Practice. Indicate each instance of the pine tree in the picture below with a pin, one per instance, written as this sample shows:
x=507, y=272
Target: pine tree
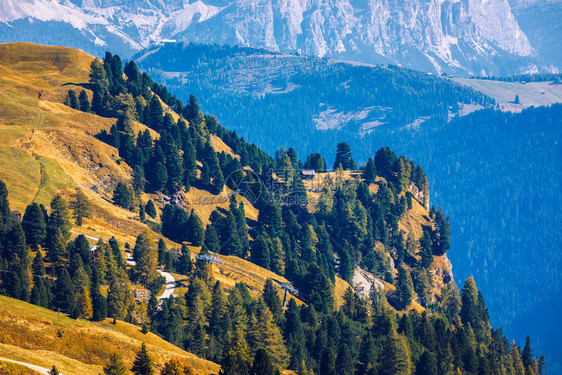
x=97, y=101
x=185, y=265
x=328, y=362
x=262, y=364
x=155, y=118
x=142, y=213
x=404, y=286
x=160, y=178
x=260, y=251
x=146, y=257
x=237, y=358
x=39, y=293
x=139, y=181
x=150, y=209
x=59, y=218
x=211, y=240
x=4, y=202
x=267, y=335
x=99, y=305
x=142, y=364
x=38, y=266
x=229, y=240
x=34, y=226
x=98, y=75
x=80, y=207
x=240, y=217
x=316, y=162
x=344, y=158
x=72, y=100
x=115, y=366
x=277, y=256
x=396, y=356
x=271, y=299
x=119, y=296
x=196, y=231
x=122, y=195
x=469, y=300
x=56, y=252
x=427, y=365
x=83, y=303
x=404, y=172
x=370, y=173
x=84, y=102
x=64, y=292
x=527, y=354
x=162, y=251
x=346, y=264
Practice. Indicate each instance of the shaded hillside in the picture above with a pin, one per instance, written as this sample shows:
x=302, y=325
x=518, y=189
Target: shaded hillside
x=308, y=103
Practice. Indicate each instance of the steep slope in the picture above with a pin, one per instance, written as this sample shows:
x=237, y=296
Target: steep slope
x=371, y=227
x=540, y=21
x=331, y=101
x=42, y=337
x=47, y=147
x=480, y=165
x=438, y=36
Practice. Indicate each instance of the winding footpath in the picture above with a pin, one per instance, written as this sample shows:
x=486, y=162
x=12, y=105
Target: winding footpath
x=41, y=370
x=170, y=281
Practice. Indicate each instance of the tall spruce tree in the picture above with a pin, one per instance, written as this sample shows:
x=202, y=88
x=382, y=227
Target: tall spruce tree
x=115, y=366
x=64, y=299
x=59, y=218
x=344, y=159
x=146, y=257
x=38, y=265
x=370, y=173
x=142, y=365
x=34, y=226
x=263, y=364
x=84, y=102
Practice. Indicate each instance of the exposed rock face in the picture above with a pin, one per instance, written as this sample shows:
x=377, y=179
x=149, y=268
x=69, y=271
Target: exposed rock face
x=540, y=20
x=465, y=36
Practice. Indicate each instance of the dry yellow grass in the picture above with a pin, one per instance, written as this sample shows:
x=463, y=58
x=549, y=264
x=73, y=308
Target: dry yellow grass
x=339, y=289
x=31, y=334
x=414, y=220
x=47, y=147
x=7, y=368
x=219, y=146
x=204, y=203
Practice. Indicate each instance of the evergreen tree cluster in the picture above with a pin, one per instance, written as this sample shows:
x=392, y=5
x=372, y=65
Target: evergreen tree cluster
x=351, y=226
x=170, y=162
x=244, y=333
x=41, y=264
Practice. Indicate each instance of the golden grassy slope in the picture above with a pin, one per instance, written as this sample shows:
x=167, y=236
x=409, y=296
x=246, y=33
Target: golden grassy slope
x=47, y=147
x=7, y=368
x=31, y=334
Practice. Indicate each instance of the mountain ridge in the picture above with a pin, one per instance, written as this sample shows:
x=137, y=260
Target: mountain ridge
x=461, y=36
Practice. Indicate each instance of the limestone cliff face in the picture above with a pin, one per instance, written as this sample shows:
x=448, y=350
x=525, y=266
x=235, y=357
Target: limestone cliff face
x=464, y=36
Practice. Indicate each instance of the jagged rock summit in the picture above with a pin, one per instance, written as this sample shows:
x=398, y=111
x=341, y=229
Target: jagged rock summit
x=458, y=36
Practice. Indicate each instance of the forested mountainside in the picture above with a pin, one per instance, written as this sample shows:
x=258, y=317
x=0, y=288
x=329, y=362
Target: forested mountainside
x=167, y=175
x=483, y=172
x=328, y=101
